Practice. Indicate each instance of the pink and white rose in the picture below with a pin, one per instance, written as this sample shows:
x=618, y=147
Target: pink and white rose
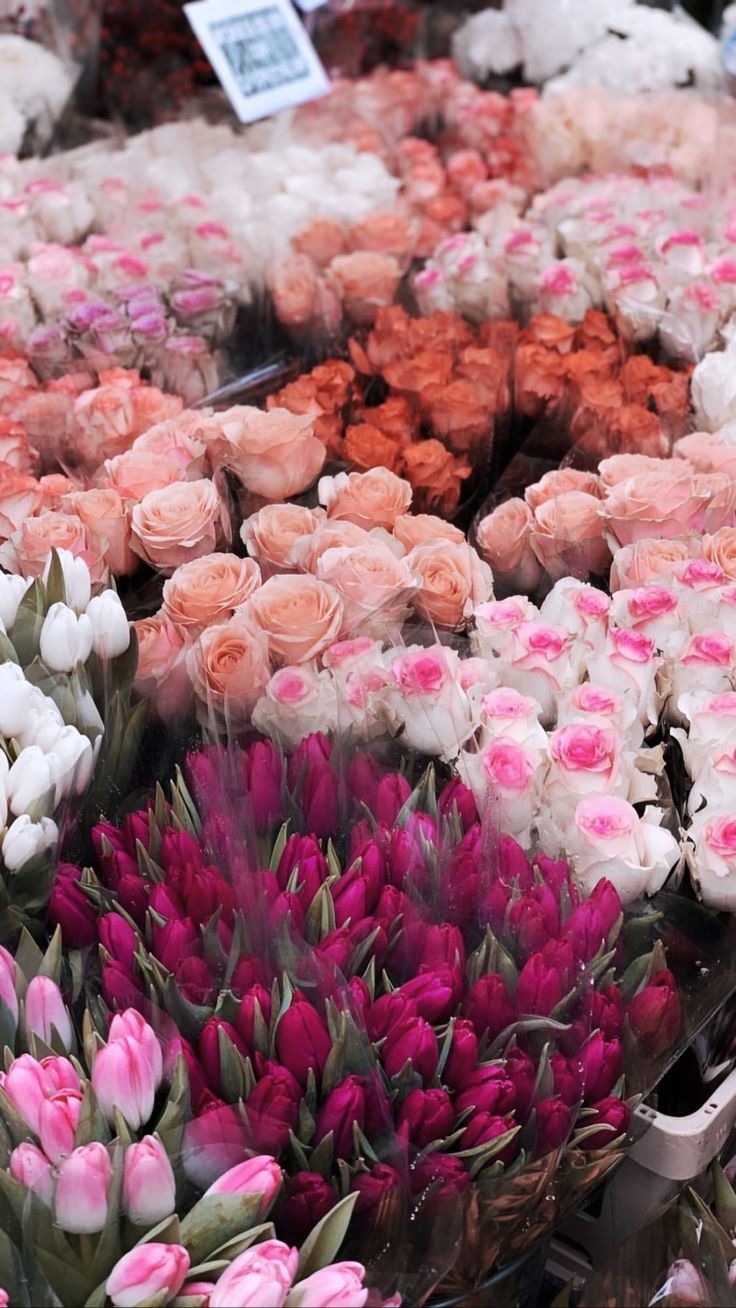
x=297, y=701
x=608, y=839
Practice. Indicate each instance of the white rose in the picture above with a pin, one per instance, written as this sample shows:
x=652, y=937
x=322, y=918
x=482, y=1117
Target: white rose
x=297, y=702
x=505, y=712
x=496, y=621
x=713, y=858
x=505, y=779
x=427, y=703
x=583, y=610
x=607, y=838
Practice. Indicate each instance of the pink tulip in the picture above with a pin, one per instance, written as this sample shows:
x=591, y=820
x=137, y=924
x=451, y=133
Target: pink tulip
x=30, y=1166
x=338, y=1286
x=149, y=1188
x=81, y=1190
x=27, y=1085
x=131, y=1024
x=57, y=1123
x=147, y=1271
x=61, y=1073
x=259, y=1175
x=45, y=1011
x=4, y=1299
x=123, y=1078
x=259, y=1278
x=7, y=983
x=199, y=1290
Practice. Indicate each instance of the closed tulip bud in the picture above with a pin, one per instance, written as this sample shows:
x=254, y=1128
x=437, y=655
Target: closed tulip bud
x=77, y=580
x=556, y=874
x=213, y=1142
x=352, y=897
x=406, y=861
x=456, y=798
x=435, y=993
x=123, y=1078
x=542, y=984
x=176, y=940
x=340, y=1283
x=463, y=1056
x=554, y=1120
x=441, y=944
x=302, y=855
x=66, y=639
x=12, y=590
x=30, y=783
x=256, y=1002
x=260, y=1175
x=523, y=1072
x=60, y=1073
x=374, y=1187
x=336, y=948
x=319, y=800
x=483, y=1128
x=194, y=980
x=392, y=792
x=45, y=1012
x=27, y=1085
x=411, y=1041
x=179, y=1047
x=302, y=1040
x=133, y=896
x=119, y=988
x=425, y=1116
x=602, y=1064
x=72, y=763
x=344, y=1106
x=614, y=1116
x=513, y=866
x=25, y=840
x=592, y=922
x=80, y=1204
x=132, y=1025
x=357, y=998
x=149, y=1188
x=534, y=919
x=363, y=774
x=272, y=1109
x=58, y=1119
x=30, y=1166
x=391, y=904
x=488, y=1006
x=208, y=1048
x=262, y=1275
x=72, y=910
x=263, y=777
x=487, y=1089
x=8, y=996
x=210, y=894
x=306, y=1199
x=119, y=939
x=567, y=1075
x=313, y=750
x=655, y=1013
x=110, y=626
x=147, y=1272
x=447, y=1177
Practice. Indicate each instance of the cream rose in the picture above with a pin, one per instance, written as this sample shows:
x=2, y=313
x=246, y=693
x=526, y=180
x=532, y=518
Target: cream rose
x=368, y=499
x=496, y=621
x=567, y=536
x=505, y=712
x=300, y=617
x=426, y=702
x=229, y=668
x=375, y=586
x=208, y=590
x=271, y=534
x=628, y=664
x=653, y=610
x=453, y=581
x=582, y=609
x=712, y=838
x=275, y=454
x=179, y=523
x=503, y=538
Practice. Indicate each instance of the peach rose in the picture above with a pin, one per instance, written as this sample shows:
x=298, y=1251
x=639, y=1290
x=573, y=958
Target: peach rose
x=161, y=676
x=208, y=590
x=384, y=232
x=14, y=447
x=20, y=498
x=721, y=549
x=275, y=454
x=707, y=452
x=301, y=298
x=178, y=523
x=365, y=446
x=621, y=467
x=229, y=666
x=365, y=281
x=151, y=407
x=53, y=487
x=412, y=529
x=436, y=475
x=558, y=482
x=375, y=586
x=647, y=560
x=665, y=504
x=369, y=499
x=503, y=538
x=567, y=536
x=300, y=617
x=27, y=550
x=308, y=550
x=271, y=534
x=103, y=425
x=107, y=520
x=453, y=580
x=137, y=472
x=178, y=441
x=321, y=240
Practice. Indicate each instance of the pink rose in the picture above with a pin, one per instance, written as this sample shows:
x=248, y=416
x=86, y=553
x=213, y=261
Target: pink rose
x=107, y=520
x=229, y=666
x=712, y=867
x=208, y=590
x=301, y=298
x=300, y=617
x=178, y=441
x=179, y=523
x=582, y=609
x=28, y=550
x=667, y=505
x=541, y=662
x=609, y=840
x=138, y=472
x=161, y=676
x=708, y=452
x=453, y=581
x=504, y=712
x=647, y=560
x=624, y=467
x=596, y=703
x=703, y=662
x=652, y=610
x=721, y=549
x=425, y=698
x=711, y=721
x=270, y=536
x=567, y=536
x=505, y=777
x=297, y=702
x=21, y=497
x=368, y=499
x=327, y=535
x=375, y=586
x=584, y=759
x=560, y=482
x=412, y=529
x=503, y=538
x=275, y=454
x=496, y=621
x=629, y=665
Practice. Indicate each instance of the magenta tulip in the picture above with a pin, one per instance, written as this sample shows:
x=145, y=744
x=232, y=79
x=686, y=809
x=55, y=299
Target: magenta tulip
x=80, y=1203
x=590, y=925
x=487, y=1089
x=435, y=992
x=255, y=1002
x=387, y=1012
x=447, y=1176
x=655, y=1014
x=374, y=1187
x=412, y=1041
x=263, y=780
x=195, y=981
x=30, y=1166
x=484, y=1128
x=544, y=980
x=208, y=1048
x=568, y=1078
x=45, y=1012
x=392, y=792
x=343, y=1107
x=533, y=919
x=425, y=1116
x=302, y=1040
x=119, y=989
x=523, y=1073
x=70, y=909
x=57, y=1123
x=488, y=1006
x=260, y=1175
x=463, y=1055
x=213, y=1141
x=119, y=939
x=553, y=1125
x=272, y=1109
x=613, y=1115
x=456, y=799
x=149, y=1188
x=307, y=1198
x=149, y=1270
x=602, y=1063
x=177, y=1048
x=261, y=1276
x=512, y=864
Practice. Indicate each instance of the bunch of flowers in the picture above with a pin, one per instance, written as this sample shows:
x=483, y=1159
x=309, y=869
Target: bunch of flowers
x=406, y=1010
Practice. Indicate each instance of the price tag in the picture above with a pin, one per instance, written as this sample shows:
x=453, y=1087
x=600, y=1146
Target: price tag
x=260, y=52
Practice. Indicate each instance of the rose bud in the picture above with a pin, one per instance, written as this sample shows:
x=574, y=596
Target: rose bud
x=602, y=1064
x=72, y=910
x=543, y=982
x=488, y=1006
x=306, y=1199
x=484, y=1128
x=374, y=1187
x=177, y=1048
x=456, y=798
x=523, y=1073
x=80, y=1204
x=273, y=1108
x=425, y=1115
x=149, y=1271
x=591, y=923
x=463, y=1056
x=58, y=1119
x=262, y=1275
x=487, y=1089
x=413, y=1041
x=263, y=771
x=387, y=1012
x=213, y=1141
x=208, y=1049
x=610, y=1112
x=30, y=1166
x=302, y=1040
x=260, y=1175
x=392, y=792
x=149, y=1188
x=447, y=1175
x=435, y=993
x=568, y=1078
x=45, y=1012
x=654, y=1014
x=345, y=1105
x=554, y=1120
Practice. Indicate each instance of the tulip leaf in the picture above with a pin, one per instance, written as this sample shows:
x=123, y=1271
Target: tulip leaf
x=55, y=585
x=725, y=1198
x=302, y=1161
x=369, y=976
x=306, y=1124
x=490, y=1148
x=156, y=1301
x=98, y=1297
x=233, y=1078
x=334, y=1069
x=167, y=1231
x=17, y=1127
x=363, y=1147
x=320, y=919
x=176, y=1114
x=51, y=963
x=92, y=1124
x=445, y=1050
x=325, y=1239
x=28, y=957
x=322, y=1156
x=189, y=1018
x=233, y=1248
x=7, y=650
x=147, y=866
x=217, y=1218
x=279, y=845
x=28, y=623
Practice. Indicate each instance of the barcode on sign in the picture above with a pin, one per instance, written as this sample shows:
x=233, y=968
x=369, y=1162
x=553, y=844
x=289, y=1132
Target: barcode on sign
x=260, y=50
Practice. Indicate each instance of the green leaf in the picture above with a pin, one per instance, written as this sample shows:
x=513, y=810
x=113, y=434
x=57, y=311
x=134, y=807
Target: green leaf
x=92, y=1124
x=8, y=653
x=324, y=1240
x=51, y=962
x=322, y=1156
x=233, y=1248
x=279, y=846
x=55, y=584
x=216, y=1219
x=725, y=1198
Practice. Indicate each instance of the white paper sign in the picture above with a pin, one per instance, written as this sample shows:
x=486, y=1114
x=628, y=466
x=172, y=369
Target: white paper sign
x=260, y=52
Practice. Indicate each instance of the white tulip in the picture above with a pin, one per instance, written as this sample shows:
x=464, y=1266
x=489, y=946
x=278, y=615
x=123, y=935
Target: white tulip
x=29, y=780
x=77, y=581
x=88, y=714
x=71, y=762
x=110, y=627
x=12, y=590
x=4, y=769
x=48, y=730
x=65, y=639
x=16, y=700
x=25, y=839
